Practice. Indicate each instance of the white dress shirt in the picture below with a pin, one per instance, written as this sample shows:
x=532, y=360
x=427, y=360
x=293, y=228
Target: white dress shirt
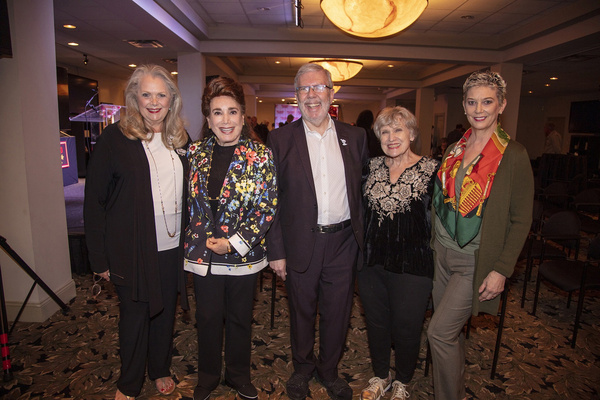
x=328, y=174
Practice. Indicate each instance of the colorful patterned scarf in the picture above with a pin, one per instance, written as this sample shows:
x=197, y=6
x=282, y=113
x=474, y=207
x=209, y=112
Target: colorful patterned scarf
x=475, y=189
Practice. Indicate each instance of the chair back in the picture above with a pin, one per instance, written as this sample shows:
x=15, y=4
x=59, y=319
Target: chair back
x=563, y=223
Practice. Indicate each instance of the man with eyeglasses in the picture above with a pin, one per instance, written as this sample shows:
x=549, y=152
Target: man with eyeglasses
x=316, y=237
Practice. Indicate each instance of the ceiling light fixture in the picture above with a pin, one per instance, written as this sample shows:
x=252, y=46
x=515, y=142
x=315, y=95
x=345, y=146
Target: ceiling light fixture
x=69, y=26
x=174, y=73
x=73, y=44
x=373, y=19
x=133, y=65
x=340, y=70
x=85, y=59
x=554, y=78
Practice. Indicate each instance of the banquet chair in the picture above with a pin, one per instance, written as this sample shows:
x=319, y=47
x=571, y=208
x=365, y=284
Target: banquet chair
x=561, y=228
x=571, y=276
x=555, y=197
x=587, y=206
x=501, y=314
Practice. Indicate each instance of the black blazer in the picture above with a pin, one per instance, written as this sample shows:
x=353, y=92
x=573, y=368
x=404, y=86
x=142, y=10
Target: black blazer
x=292, y=235
x=119, y=217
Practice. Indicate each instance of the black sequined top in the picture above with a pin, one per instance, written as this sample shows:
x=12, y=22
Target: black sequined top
x=397, y=217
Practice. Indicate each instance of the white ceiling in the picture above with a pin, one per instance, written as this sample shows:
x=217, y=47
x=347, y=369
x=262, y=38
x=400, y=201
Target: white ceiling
x=245, y=38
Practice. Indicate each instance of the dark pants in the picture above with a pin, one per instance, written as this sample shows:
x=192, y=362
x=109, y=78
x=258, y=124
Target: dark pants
x=142, y=338
x=231, y=299
x=395, y=306
x=327, y=285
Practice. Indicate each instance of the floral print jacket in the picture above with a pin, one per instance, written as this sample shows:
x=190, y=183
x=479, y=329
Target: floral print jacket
x=246, y=208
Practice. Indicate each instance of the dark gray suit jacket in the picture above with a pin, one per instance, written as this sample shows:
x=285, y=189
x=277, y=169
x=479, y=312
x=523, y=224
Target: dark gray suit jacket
x=292, y=235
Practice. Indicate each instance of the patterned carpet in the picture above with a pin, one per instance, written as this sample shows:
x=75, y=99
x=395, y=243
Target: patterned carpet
x=74, y=356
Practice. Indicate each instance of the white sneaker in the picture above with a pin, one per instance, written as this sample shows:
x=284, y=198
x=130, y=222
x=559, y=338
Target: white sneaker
x=399, y=391
x=377, y=387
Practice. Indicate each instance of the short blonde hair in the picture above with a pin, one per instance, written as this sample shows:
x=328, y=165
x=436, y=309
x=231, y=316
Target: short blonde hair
x=133, y=125
x=486, y=78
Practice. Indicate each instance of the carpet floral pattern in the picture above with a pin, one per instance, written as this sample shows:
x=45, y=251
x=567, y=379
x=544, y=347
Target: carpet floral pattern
x=74, y=355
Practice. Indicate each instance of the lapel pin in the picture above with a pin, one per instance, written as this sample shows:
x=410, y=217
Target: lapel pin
x=343, y=142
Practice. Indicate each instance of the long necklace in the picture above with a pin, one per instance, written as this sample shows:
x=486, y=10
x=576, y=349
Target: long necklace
x=160, y=191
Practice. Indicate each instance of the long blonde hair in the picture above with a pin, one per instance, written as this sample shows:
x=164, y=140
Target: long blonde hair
x=133, y=125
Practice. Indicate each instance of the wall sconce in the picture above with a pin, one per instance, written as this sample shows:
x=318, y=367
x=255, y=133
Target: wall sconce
x=85, y=59
x=373, y=18
x=340, y=70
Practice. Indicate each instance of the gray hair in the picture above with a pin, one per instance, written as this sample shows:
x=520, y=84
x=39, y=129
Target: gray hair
x=311, y=67
x=391, y=116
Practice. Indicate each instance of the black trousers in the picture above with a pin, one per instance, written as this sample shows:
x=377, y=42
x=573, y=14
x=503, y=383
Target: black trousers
x=327, y=286
x=142, y=338
x=231, y=299
x=395, y=306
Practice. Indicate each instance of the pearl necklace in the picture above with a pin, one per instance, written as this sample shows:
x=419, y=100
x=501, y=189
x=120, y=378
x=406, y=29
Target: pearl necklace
x=160, y=191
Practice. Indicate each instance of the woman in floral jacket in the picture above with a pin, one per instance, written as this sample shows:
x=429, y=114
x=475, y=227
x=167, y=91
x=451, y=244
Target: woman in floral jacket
x=232, y=201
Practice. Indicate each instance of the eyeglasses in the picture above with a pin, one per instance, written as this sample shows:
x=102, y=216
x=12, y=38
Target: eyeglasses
x=315, y=88
x=96, y=288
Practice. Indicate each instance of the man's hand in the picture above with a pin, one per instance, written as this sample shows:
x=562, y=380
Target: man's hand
x=279, y=266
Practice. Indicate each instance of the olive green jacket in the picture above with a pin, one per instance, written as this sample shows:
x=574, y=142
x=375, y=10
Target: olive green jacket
x=506, y=222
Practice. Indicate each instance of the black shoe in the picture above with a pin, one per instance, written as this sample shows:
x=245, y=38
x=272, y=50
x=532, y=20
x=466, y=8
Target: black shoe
x=201, y=393
x=338, y=389
x=297, y=386
x=247, y=391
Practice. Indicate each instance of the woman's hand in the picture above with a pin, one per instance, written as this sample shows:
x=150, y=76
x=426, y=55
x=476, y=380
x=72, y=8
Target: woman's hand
x=220, y=246
x=492, y=286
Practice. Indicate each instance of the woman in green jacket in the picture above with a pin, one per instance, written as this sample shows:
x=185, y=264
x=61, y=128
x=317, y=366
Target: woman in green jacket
x=482, y=202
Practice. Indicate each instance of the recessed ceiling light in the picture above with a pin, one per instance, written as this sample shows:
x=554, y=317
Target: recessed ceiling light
x=260, y=101
x=69, y=26
x=174, y=73
x=277, y=62
x=133, y=65
x=263, y=9
x=530, y=92
x=547, y=85
x=390, y=66
x=73, y=44
x=282, y=99
x=467, y=17
x=554, y=78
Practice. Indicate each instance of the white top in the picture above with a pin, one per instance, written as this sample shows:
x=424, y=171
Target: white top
x=328, y=174
x=168, y=185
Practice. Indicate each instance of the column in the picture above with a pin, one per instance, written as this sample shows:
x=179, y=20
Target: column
x=512, y=74
x=424, y=114
x=32, y=207
x=191, y=80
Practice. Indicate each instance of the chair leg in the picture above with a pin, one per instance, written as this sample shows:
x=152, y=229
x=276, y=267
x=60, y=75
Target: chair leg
x=528, y=268
x=273, y=290
x=504, y=297
x=537, y=292
x=260, y=281
x=468, y=330
x=427, y=360
x=580, y=301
